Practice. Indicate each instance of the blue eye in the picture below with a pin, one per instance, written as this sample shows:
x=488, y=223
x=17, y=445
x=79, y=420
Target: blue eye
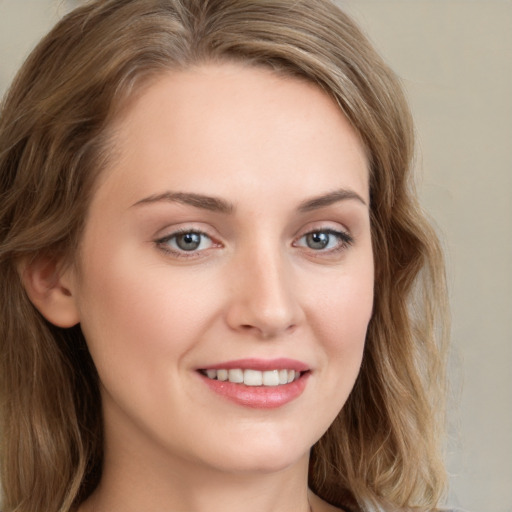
x=325, y=240
x=186, y=241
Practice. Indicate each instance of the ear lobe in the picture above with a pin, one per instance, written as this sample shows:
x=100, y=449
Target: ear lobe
x=49, y=288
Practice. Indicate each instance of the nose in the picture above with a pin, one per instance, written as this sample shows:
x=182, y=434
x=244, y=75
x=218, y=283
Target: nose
x=263, y=295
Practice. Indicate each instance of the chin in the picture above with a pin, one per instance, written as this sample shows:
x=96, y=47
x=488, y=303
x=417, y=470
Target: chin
x=262, y=455
x=261, y=465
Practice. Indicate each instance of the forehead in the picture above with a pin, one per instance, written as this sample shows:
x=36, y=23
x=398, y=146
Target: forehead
x=198, y=126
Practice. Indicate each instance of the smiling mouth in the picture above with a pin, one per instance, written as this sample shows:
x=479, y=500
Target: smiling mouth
x=249, y=377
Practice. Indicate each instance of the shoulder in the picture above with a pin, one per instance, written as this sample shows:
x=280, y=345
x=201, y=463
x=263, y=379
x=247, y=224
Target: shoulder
x=319, y=505
x=451, y=510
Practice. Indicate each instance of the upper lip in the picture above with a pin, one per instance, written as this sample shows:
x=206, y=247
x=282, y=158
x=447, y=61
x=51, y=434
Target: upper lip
x=282, y=363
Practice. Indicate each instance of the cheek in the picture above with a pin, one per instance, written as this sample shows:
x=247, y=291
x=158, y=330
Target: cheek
x=133, y=314
x=138, y=317
x=346, y=316
x=343, y=306
x=340, y=318
x=344, y=346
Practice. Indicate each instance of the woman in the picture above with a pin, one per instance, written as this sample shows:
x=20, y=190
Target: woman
x=219, y=291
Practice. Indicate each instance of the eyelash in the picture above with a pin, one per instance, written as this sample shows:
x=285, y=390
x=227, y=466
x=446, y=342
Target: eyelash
x=345, y=240
x=163, y=243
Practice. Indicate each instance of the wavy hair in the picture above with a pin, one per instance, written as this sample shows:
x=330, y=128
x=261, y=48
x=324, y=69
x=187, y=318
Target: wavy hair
x=383, y=448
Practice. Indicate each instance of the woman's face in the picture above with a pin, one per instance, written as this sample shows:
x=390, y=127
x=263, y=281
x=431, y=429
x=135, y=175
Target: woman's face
x=228, y=239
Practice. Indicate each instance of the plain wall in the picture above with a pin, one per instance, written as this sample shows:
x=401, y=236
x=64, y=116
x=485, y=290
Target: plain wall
x=455, y=58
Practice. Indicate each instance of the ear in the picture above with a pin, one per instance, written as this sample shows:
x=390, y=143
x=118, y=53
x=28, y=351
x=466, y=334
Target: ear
x=50, y=288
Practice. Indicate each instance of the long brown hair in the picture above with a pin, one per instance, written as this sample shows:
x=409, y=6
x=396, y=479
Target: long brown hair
x=382, y=450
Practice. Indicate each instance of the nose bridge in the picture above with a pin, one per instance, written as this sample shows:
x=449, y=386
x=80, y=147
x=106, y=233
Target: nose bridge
x=264, y=299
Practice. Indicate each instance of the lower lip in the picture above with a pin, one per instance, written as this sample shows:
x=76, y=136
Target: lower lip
x=258, y=397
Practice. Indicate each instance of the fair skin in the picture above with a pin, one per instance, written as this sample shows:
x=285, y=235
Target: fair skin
x=231, y=224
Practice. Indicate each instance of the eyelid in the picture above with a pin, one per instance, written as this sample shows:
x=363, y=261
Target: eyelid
x=162, y=242
x=344, y=236
x=346, y=239
x=323, y=225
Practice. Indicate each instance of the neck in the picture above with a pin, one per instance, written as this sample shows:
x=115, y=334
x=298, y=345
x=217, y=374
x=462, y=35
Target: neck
x=152, y=481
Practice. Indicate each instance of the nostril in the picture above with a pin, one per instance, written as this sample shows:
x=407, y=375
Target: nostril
x=275, y=316
x=267, y=332
x=247, y=327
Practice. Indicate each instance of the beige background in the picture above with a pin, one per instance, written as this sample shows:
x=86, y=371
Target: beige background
x=455, y=58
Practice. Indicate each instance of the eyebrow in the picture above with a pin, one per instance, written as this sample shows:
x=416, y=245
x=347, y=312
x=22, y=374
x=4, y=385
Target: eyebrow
x=213, y=204
x=331, y=198
x=216, y=204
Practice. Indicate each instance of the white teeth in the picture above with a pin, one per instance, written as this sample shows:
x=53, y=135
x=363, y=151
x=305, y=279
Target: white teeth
x=254, y=377
x=212, y=374
x=236, y=376
x=271, y=378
